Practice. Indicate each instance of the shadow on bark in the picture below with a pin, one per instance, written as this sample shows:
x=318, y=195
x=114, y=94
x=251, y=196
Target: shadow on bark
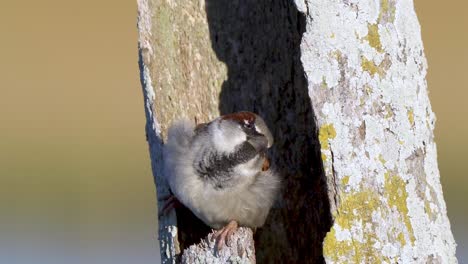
x=260, y=43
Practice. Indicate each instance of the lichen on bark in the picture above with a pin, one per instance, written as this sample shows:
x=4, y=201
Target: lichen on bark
x=381, y=160
x=342, y=85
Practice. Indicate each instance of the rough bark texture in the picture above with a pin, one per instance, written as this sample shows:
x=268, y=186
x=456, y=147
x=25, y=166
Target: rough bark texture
x=342, y=85
x=366, y=72
x=241, y=249
x=181, y=76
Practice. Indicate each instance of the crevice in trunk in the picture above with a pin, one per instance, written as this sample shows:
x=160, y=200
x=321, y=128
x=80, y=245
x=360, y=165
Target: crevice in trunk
x=260, y=43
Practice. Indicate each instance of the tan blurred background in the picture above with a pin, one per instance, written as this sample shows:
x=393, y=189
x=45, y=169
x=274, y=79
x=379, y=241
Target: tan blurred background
x=75, y=178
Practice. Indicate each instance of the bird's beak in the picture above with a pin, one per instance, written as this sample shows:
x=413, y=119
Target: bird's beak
x=259, y=142
x=262, y=129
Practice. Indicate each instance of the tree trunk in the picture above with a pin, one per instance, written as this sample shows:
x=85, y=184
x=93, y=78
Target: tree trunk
x=342, y=85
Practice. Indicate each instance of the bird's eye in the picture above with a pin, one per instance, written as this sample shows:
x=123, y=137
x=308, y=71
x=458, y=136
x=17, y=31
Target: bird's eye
x=248, y=125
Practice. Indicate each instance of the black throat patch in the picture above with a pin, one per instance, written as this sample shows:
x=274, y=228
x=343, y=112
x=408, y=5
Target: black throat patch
x=217, y=168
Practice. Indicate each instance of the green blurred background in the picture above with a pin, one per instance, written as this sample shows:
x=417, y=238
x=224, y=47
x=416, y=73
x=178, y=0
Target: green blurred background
x=75, y=177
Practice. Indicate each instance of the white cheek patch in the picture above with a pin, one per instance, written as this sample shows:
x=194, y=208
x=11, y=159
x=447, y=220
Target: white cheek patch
x=227, y=143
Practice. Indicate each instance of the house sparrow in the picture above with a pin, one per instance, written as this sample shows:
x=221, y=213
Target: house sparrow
x=219, y=170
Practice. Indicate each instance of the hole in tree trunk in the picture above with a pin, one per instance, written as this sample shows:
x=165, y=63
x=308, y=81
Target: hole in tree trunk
x=260, y=43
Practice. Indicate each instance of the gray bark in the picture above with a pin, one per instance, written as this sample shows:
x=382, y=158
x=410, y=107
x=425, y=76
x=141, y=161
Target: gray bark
x=342, y=85
x=240, y=249
x=366, y=71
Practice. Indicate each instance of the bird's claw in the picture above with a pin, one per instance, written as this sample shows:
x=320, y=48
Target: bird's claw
x=223, y=236
x=170, y=203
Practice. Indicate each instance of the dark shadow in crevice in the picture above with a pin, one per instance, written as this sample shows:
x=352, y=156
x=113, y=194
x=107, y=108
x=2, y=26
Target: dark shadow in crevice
x=260, y=43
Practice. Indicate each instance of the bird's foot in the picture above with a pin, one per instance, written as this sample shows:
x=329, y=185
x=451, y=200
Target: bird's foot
x=223, y=236
x=170, y=203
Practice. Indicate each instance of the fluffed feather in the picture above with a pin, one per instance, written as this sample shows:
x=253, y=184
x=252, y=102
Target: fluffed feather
x=246, y=200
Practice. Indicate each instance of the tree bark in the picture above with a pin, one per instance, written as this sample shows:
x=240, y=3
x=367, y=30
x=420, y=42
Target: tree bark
x=240, y=249
x=342, y=85
x=366, y=71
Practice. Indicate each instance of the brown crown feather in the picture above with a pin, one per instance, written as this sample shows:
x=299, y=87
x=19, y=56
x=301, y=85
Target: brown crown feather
x=240, y=117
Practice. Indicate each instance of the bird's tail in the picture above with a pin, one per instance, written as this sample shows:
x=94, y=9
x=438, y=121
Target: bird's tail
x=176, y=153
x=180, y=135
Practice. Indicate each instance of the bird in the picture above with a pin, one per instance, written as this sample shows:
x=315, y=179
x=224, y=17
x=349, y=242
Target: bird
x=220, y=171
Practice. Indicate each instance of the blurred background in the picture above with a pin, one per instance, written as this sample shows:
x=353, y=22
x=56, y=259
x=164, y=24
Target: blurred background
x=75, y=177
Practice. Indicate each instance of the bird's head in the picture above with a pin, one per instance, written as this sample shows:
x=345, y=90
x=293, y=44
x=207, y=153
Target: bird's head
x=231, y=130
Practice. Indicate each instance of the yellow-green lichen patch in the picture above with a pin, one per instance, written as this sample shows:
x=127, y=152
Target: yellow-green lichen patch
x=401, y=239
x=354, y=207
x=324, y=84
x=373, y=69
x=368, y=89
x=362, y=101
x=387, y=11
x=324, y=157
x=333, y=248
x=410, y=113
x=373, y=37
x=395, y=192
x=345, y=180
x=428, y=210
x=389, y=111
x=381, y=159
x=326, y=133
x=370, y=67
x=337, y=54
